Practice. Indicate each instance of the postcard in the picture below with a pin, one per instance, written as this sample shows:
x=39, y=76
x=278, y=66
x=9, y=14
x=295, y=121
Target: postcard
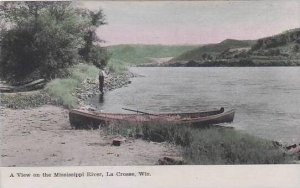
x=150, y=94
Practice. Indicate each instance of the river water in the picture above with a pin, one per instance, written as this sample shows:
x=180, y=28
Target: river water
x=266, y=99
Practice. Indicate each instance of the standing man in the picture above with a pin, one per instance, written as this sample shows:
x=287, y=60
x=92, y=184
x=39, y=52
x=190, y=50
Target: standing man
x=101, y=80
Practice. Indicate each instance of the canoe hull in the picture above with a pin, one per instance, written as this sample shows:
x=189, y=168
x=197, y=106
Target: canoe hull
x=226, y=117
x=80, y=119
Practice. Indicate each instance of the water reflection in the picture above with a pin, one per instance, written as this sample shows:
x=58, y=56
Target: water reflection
x=101, y=98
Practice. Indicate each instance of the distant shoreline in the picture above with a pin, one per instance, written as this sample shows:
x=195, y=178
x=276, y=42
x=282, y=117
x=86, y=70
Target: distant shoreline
x=227, y=63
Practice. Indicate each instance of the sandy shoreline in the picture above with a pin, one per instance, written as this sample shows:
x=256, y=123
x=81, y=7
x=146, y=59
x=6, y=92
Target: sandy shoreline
x=43, y=137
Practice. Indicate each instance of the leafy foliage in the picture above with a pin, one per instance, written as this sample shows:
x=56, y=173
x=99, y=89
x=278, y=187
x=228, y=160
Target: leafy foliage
x=90, y=52
x=212, y=49
x=277, y=50
x=277, y=40
x=42, y=39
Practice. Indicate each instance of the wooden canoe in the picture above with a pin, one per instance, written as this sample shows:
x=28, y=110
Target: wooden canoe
x=82, y=119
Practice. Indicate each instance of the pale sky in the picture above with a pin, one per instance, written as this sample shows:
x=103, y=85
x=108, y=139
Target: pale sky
x=196, y=22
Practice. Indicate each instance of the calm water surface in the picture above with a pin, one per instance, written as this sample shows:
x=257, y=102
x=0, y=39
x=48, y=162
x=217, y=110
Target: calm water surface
x=266, y=99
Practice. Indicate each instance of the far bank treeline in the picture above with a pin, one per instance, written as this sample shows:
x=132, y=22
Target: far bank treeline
x=43, y=39
x=278, y=50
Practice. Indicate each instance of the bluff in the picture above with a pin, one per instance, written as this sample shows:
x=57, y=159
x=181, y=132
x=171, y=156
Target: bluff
x=279, y=50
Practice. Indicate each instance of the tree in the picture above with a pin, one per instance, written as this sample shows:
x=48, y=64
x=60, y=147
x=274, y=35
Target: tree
x=274, y=52
x=296, y=48
x=92, y=51
x=42, y=39
x=206, y=56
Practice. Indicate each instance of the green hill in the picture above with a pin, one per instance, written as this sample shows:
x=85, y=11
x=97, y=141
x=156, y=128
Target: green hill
x=213, y=49
x=279, y=50
x=137, y=54
x=287, y=43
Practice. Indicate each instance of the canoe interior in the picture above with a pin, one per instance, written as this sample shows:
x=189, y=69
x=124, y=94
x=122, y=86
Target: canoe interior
x=92, y=120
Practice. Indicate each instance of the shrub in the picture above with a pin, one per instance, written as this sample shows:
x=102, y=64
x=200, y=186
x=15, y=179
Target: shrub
x=38, y=39
x=64, y=90
x=296, y=48
x=99, y=57
x=45, y=38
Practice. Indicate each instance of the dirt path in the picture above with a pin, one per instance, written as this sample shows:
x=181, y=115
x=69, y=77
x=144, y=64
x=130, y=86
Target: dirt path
x=43, y=137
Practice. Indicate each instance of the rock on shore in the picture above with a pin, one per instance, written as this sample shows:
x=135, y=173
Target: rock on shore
x=90, y=87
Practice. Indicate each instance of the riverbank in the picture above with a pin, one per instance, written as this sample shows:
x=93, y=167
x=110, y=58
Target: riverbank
x=90, y=87
x=43, y=136
x=234, y=62
x=70, y=92
x=214, y=145
x=35, y=130
x=48, y=126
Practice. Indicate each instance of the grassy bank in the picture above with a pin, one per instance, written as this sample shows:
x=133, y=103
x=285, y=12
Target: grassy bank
x=59, y=91
x=63, y=90
x=71, y=91
x=209, y=145
x=24, y=100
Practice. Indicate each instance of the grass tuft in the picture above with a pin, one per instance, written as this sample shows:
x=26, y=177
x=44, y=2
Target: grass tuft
x=63, y=91
x=226, y=146
x=213, y=145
